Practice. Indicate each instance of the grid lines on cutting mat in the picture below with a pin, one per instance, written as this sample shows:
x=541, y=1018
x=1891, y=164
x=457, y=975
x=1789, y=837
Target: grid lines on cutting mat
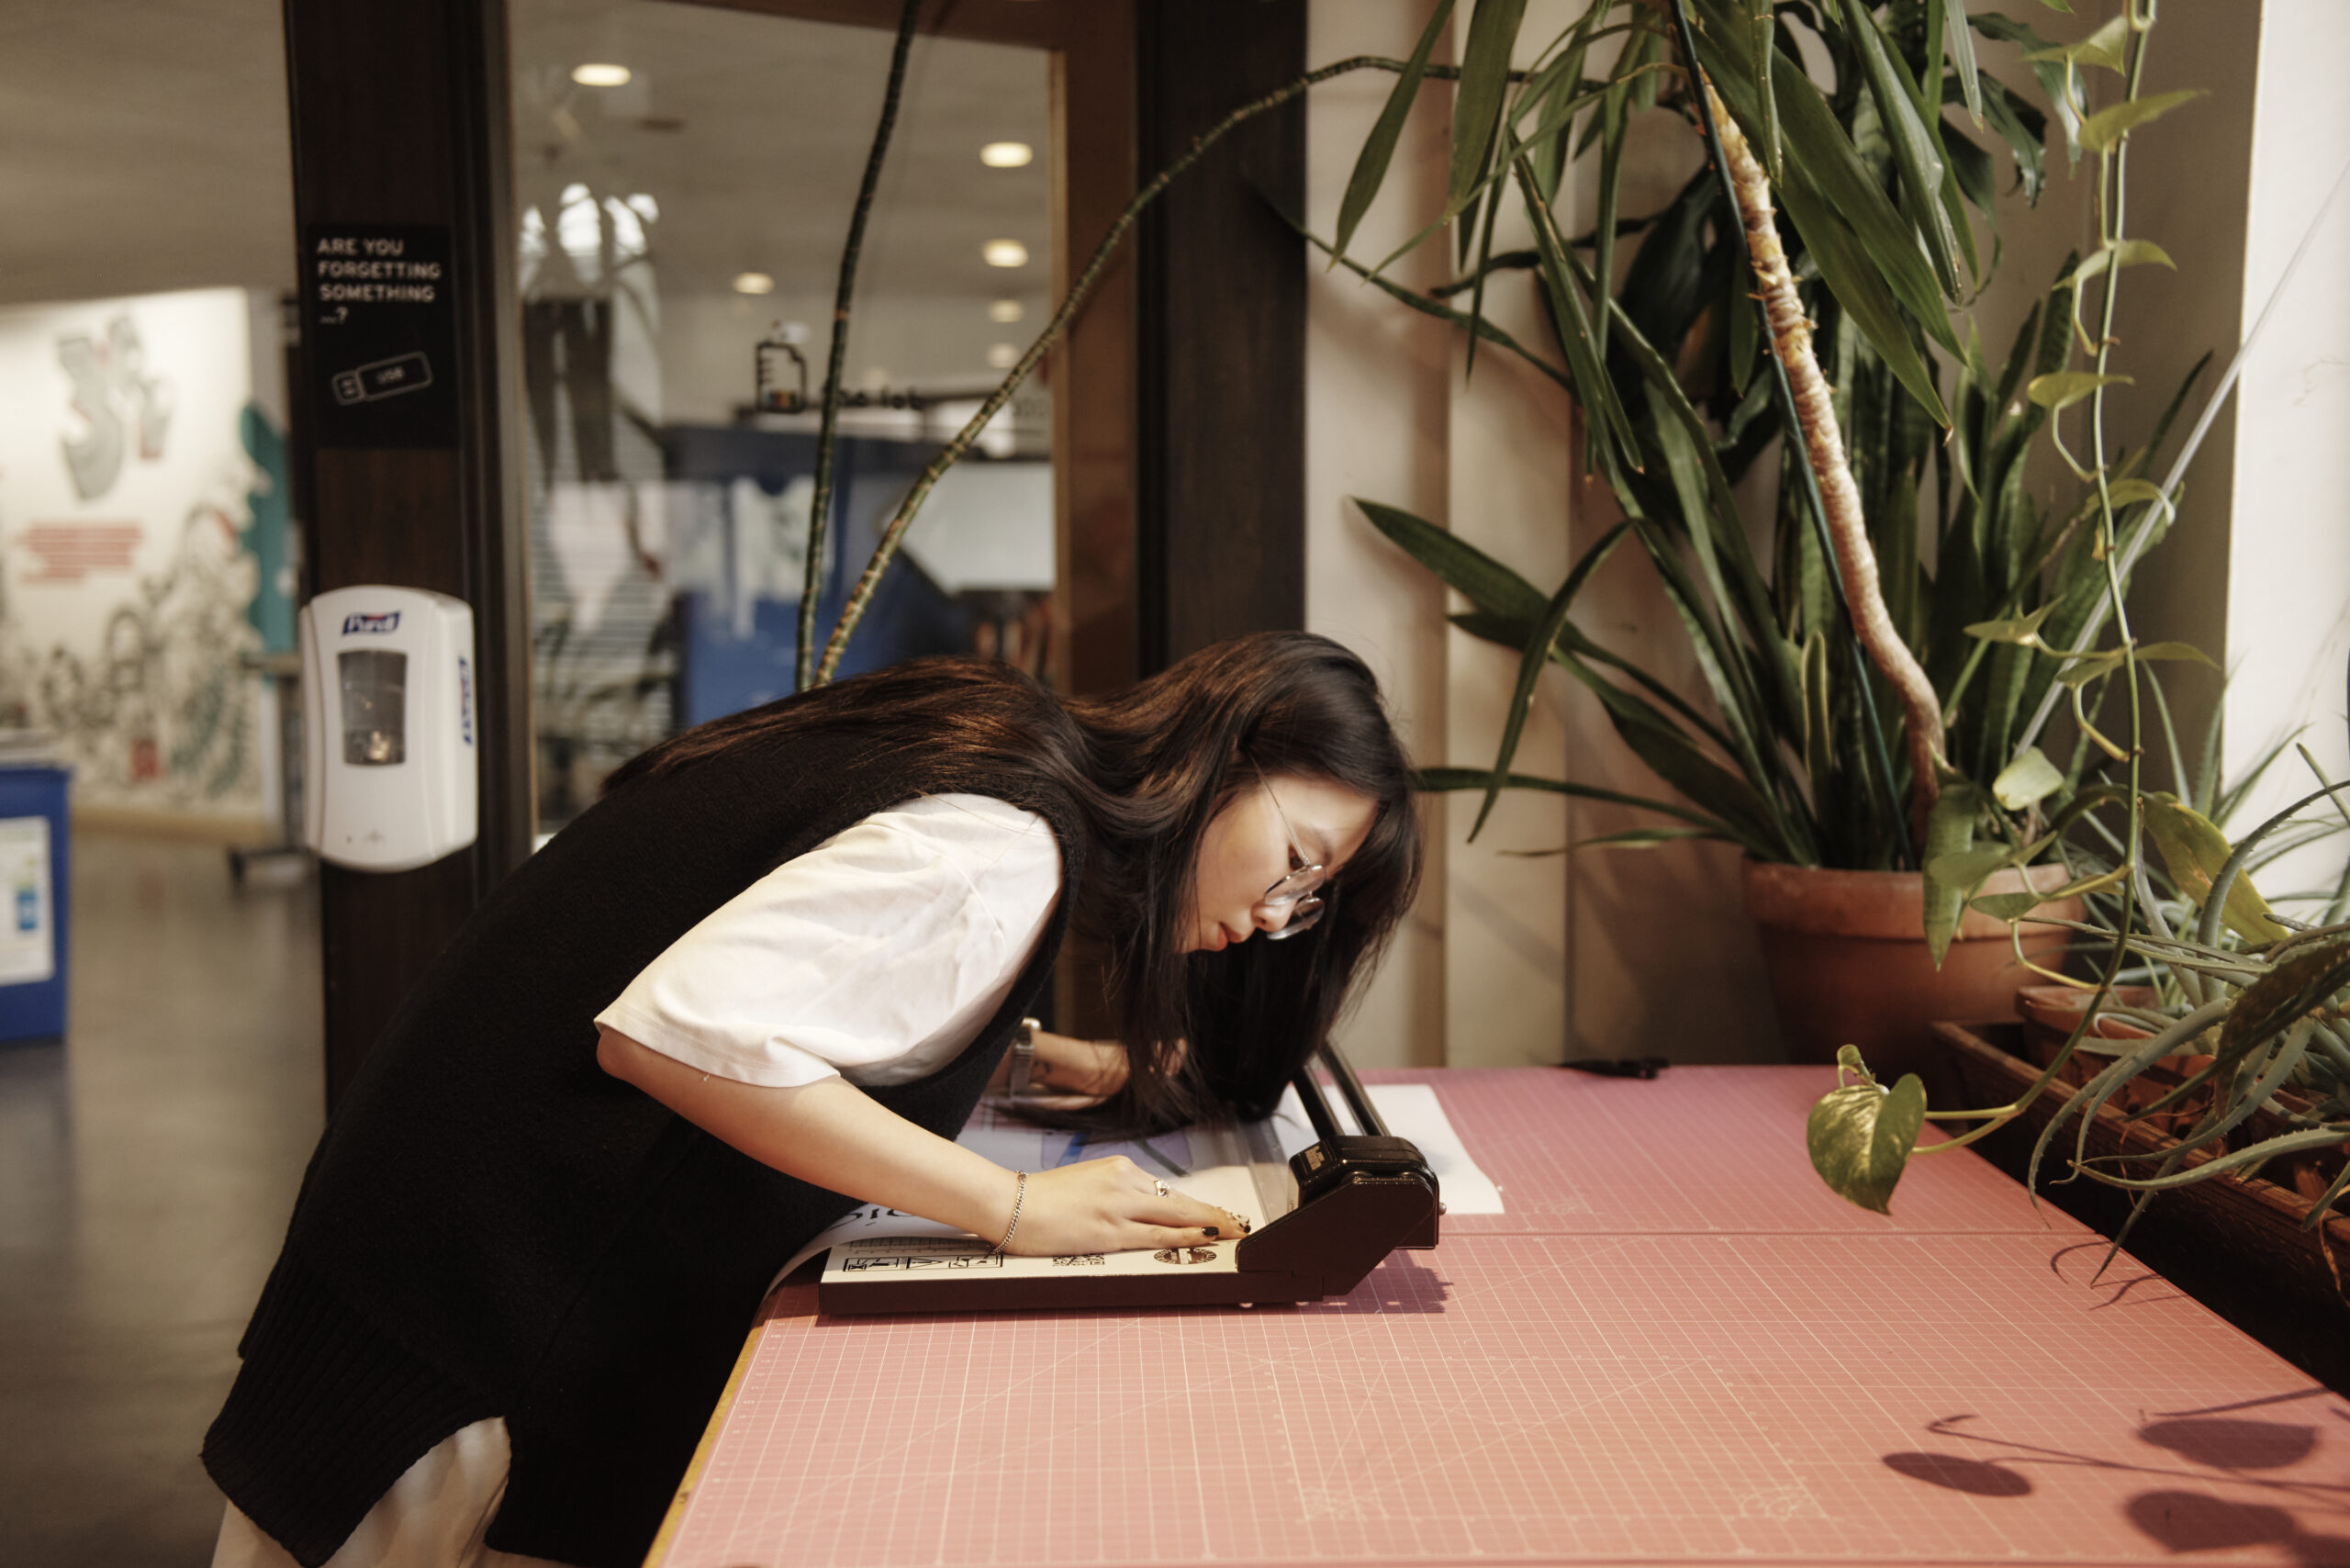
x=1572, y=1399
x=1697, y=1151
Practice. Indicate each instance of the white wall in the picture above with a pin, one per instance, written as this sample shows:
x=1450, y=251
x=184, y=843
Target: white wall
x=2288, y=551
x=1509, y=959
x=1378, y=380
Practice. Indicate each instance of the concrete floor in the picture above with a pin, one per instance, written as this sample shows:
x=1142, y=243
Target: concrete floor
x=147, y=1165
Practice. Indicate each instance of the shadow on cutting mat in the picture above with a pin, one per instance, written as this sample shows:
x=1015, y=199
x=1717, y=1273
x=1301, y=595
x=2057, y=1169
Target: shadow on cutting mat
x=2194, y=1521
x=1399, y=1284
x=2175, y=1518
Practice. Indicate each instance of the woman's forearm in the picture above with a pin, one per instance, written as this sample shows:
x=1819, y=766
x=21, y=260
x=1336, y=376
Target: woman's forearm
x=830, y=1133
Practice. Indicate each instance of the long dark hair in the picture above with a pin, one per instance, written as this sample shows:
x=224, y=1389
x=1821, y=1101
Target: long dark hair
x=1149, y=768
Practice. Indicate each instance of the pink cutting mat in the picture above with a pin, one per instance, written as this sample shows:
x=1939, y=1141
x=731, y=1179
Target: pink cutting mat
x=1695, y=1151
x=1816, y=1393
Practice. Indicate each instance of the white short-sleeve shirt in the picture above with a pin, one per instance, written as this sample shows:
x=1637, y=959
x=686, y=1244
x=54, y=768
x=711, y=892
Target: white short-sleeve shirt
x=877, y=954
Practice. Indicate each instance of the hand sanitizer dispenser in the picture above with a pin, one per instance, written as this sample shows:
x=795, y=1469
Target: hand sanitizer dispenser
x=388, y=720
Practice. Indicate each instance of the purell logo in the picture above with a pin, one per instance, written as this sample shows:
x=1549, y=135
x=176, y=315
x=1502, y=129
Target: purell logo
x=466, y=699
x=353, y=625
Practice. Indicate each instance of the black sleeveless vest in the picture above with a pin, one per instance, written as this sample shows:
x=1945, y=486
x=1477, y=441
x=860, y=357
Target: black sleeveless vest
x=492, y=1225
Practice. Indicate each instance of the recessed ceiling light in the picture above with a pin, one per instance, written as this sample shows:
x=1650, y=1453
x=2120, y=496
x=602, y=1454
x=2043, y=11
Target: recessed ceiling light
x=1007, y=154
x=753, y=283
x=1005, y=253
x=1006, y=310
x=1002, y=356
x=594, y=75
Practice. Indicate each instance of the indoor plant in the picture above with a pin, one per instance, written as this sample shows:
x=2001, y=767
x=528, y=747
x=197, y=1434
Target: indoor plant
x=2254, y=1002
x=1874, y=707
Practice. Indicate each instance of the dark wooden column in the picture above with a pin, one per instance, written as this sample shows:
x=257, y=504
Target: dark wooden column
x=1221, y=311
x=400, y=123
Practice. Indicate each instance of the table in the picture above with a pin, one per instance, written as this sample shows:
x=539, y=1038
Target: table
x=1675, y=1348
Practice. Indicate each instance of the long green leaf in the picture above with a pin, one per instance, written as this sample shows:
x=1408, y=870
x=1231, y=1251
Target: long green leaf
x=1756, y=752
x=1615, y=121
x=1915, y=155
x=1458, y=565
x=2301, y=982
x=2007, y=114
x=1950, y=831
x=1763, y=28
x=1962, y=56
x=1530, y=671
x=2053, y=76
x=1611, y=426
x=1426, y=307
x=1846, y=269
x=2237, y=1159
x=1506, y=632
x=1719, y=522
x=1820, y=154
x=1378, y=148
x=1669, y=754
x=1446, y=781
x=1630, y=838
x=1477, y=104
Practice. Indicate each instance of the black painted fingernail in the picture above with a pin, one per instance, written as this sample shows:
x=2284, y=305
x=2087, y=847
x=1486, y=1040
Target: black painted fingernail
x=1209, y=1229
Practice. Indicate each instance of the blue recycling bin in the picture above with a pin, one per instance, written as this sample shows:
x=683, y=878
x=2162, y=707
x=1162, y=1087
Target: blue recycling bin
x=35, y=838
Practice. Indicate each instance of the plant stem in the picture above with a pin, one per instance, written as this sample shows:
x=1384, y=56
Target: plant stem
x=1903, y=857
x=819, y=505
x=885, y=550
x=1823, y=445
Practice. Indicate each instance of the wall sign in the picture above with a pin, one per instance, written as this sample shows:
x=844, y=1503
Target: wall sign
x=379, y=334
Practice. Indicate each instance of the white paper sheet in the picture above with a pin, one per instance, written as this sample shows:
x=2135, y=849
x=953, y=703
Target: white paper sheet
x=1411, y=1111
x=1206, y=1164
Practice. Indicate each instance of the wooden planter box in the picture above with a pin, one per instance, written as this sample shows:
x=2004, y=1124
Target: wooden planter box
x=2235, y=1245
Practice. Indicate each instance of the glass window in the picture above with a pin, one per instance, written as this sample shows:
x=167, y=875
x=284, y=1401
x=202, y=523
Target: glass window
x=684, y=178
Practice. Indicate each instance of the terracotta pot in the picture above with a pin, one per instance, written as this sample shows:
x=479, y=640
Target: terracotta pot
x=2051, y=1013
x=1846, y=952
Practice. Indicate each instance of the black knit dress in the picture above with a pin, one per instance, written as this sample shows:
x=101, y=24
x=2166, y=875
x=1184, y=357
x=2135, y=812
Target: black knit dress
x=492, y=1225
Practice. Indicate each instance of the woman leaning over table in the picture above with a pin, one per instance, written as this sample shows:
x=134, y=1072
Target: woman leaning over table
x=764, y=981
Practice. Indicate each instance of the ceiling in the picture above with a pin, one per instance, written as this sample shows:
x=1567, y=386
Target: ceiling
x=147, y=146
x=751, y=133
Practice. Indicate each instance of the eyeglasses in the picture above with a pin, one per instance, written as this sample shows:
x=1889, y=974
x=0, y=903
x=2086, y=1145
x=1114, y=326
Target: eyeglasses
x=1297, y=891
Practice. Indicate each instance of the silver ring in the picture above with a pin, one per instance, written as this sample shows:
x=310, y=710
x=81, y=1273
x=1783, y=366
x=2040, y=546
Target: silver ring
x=1161, y=1186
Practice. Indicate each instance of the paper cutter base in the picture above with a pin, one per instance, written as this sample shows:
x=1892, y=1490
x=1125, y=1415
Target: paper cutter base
x=1676, y=1348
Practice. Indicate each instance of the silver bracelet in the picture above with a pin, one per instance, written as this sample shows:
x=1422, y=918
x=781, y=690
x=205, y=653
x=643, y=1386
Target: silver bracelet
x=1018, y=1198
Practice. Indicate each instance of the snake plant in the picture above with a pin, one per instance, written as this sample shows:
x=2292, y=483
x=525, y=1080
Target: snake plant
x=1877, y=677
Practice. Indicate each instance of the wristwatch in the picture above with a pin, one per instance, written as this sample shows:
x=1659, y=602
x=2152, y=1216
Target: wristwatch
x=1023, y=1056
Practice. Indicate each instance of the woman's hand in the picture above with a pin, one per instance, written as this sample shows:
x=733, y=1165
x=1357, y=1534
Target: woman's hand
x=1070, y=1074
x=1111, y=1205
x=1084, y=1071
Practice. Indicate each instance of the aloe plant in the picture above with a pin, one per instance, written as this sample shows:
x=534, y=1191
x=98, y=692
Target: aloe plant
x=1801, y=749
x=2262, y=996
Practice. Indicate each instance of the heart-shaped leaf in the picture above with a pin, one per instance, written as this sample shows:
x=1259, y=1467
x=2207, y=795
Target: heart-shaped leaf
x=2103, y=131
x=2193, y=850
x=2063, y=388
x=2023, y=630
x=2006, y=906
x=2028, y=777
x=1860, y=1138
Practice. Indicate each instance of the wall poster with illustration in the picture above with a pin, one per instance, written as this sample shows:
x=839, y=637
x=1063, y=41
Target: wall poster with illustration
x=146, y=546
